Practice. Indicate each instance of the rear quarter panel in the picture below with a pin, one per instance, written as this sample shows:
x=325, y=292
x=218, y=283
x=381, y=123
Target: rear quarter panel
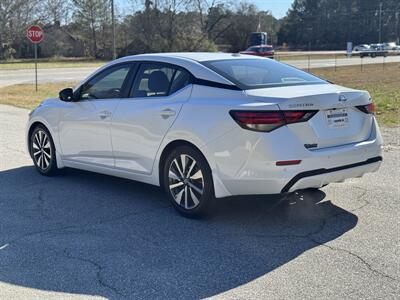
x=205, y=122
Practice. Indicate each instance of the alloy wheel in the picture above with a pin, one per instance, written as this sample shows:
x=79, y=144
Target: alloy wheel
x=185, y=180
x=41, y=149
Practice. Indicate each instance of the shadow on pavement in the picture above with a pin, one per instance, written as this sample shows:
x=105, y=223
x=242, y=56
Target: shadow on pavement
x=91, y=234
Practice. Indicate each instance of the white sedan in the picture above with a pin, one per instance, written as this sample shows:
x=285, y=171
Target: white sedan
x=363, y=47
x=206, y=126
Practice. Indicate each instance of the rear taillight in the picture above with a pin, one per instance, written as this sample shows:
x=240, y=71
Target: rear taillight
x=368, y=109
x=267, y=121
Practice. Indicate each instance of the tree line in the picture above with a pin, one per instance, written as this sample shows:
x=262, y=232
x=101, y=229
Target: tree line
x=141, y=26
x=84, y=26
x=329, y=24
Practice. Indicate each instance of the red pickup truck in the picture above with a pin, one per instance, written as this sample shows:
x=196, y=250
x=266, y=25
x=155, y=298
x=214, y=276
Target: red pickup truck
x=260, y=50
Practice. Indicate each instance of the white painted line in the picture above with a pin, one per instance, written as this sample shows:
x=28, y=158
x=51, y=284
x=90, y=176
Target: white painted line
x=4, y=246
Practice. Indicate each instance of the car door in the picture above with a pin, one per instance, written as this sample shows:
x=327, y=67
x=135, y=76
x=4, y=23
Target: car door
x=85, y=123
x=141, y=121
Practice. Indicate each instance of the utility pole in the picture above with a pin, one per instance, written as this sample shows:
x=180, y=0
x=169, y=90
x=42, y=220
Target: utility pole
x=113, y=29
x=380, y=22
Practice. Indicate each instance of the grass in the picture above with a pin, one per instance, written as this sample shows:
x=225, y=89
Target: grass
x=25, y=96
x=383, y=85
x=50, y=63
x=290, y=57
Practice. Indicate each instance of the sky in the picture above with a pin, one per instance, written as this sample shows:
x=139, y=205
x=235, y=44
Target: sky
x=277, y=7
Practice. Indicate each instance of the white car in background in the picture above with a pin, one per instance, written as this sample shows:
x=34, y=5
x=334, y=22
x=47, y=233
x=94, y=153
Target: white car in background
x=363, y=47
x=390, y=46
x=208, y=125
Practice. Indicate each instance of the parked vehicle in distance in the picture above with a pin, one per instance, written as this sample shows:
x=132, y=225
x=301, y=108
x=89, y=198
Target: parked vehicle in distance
x=258, y=38
x=390, y=46
x=260, y=50
x=363, y=47
x=374, y=50
x=377, y=47
x=206, y=126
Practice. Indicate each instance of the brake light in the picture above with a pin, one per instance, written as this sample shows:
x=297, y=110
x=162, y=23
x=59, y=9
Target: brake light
x=266, y=121
x=368, y=109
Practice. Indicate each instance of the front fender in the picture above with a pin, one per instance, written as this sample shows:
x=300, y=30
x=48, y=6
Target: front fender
x=48, y=115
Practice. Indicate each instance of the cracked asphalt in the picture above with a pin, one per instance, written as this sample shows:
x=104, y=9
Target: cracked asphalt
x=81, y=235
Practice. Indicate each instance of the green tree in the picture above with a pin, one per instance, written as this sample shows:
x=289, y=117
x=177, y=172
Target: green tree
x=324, y=24
x=91, y=19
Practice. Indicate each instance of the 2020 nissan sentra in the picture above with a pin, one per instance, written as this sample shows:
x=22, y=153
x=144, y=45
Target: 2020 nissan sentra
x=208, y=125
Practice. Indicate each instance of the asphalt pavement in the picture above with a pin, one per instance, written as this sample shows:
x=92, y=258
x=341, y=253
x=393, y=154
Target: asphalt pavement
x=81, y=235
x=10, y=77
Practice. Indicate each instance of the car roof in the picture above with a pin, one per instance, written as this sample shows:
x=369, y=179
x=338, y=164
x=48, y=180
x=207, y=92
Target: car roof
x=188, y=60
x=196, y=56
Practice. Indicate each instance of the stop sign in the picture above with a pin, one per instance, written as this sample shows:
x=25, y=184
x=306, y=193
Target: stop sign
x=35, y=34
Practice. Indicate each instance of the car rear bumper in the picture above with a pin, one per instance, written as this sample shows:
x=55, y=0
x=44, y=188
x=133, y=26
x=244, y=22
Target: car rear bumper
x=320, y=177
x=254, y=170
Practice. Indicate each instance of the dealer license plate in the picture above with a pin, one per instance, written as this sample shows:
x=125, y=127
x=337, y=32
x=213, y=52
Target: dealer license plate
x=337, y=118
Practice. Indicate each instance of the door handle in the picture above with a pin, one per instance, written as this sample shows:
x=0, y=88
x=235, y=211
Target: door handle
x=104, y=114
x=166, y=113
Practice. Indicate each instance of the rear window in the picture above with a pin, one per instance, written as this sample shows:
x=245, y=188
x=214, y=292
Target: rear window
x=261, y=73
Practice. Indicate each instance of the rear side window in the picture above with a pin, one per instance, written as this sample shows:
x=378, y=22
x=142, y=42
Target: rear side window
x=261, y=73
x=157, y=80
x=181, y=79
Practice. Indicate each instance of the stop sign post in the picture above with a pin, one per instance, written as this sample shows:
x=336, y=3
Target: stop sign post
x=35, y=34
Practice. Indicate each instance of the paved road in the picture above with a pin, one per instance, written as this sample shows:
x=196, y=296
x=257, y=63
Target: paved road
x=82, y=236
x=340, y=62
x=324, y=52
x=9, y=77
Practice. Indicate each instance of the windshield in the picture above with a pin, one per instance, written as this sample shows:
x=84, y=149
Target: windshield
x=261, y=73
x=255, y=49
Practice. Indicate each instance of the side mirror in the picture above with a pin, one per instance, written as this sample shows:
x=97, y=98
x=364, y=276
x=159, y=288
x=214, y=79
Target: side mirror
x=67, y=95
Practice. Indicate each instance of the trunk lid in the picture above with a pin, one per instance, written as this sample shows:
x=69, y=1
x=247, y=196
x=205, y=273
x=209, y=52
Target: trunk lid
x=338, y=120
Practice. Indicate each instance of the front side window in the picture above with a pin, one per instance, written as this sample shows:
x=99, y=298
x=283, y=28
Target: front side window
x=107, y=85
x=157, y=80
x=261, y=73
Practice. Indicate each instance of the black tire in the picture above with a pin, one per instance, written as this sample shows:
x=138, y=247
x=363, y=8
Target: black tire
x=187, y=183
x=43, y=152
